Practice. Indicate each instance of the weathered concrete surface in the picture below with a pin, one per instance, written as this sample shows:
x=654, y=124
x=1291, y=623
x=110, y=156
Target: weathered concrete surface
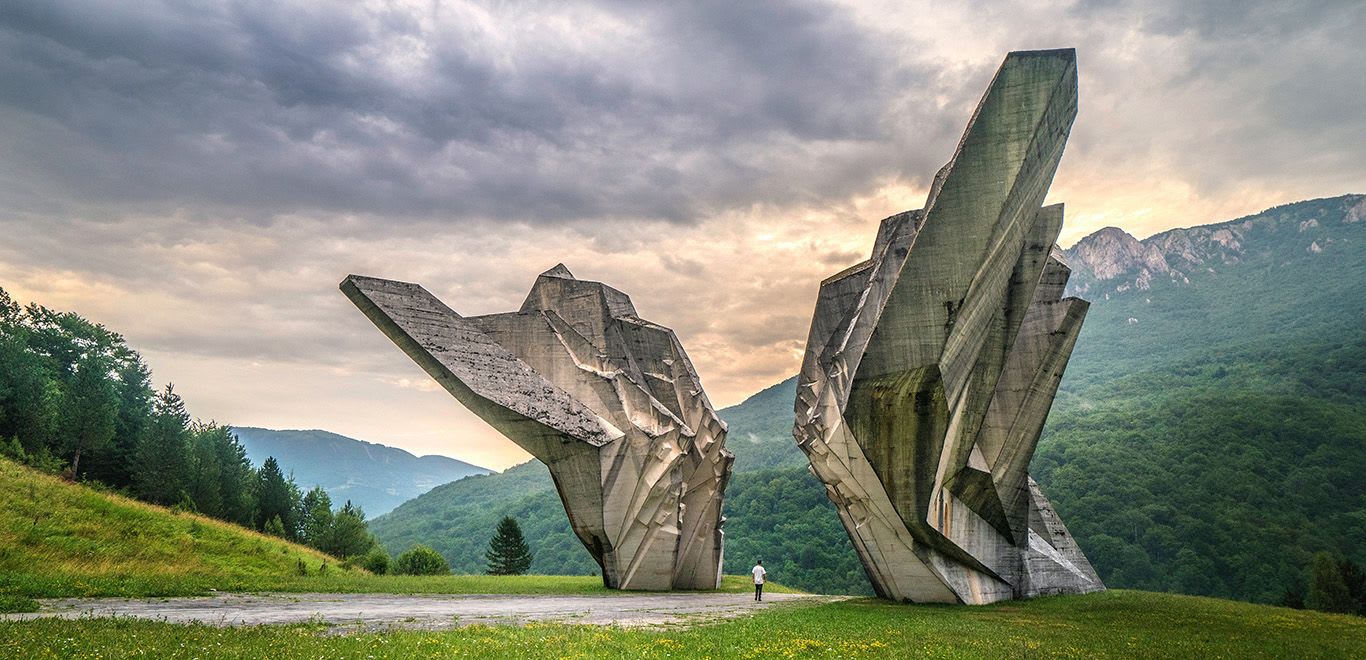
x=607, y=400
x=372, y=611
x=931, y=367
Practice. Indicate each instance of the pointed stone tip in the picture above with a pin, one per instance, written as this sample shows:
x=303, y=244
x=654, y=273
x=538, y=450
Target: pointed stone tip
x=559, y=271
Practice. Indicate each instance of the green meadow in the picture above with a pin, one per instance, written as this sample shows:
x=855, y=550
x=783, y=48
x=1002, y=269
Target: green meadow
x=64, y=540
x=1112, y=624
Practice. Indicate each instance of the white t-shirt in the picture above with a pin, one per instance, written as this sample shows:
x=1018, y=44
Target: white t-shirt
x=759, y=574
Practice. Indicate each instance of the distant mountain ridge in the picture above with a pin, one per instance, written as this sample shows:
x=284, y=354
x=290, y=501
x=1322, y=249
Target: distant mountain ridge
x=1113, y=261
x=376, y=477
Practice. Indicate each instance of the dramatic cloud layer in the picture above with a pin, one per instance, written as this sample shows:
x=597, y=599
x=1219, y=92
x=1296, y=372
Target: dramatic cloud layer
x=199, y=175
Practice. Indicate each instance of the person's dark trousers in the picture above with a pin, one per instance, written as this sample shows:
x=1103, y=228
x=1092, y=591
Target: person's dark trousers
x=758, y=592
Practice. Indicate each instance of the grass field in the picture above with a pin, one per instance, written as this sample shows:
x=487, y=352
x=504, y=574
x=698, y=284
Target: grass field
x=1110, y=624
x=61, y=540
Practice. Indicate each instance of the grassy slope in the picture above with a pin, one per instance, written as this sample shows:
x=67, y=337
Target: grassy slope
x=1111, y=624
x=58, y=539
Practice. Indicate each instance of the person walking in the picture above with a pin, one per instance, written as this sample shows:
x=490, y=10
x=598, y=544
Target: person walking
x=759, y=574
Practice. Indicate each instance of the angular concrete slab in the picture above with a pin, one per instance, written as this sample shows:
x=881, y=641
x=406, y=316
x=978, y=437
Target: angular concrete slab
x=930, y=368
x=607, y=400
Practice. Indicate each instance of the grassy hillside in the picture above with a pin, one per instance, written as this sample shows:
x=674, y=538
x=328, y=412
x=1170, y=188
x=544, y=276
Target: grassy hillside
x=61, y=539
x=375, y=477
x=1116, y=624
x=760, y=429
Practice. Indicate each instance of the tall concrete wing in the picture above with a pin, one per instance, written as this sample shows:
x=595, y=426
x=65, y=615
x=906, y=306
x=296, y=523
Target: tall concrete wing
x=930, y=368
x=607, y=400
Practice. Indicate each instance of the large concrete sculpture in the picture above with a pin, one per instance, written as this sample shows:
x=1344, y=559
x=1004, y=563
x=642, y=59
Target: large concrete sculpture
x=607, y=400
x=930, y=368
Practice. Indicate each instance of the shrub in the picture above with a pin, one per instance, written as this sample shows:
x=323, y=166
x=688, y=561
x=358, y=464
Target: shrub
x=274, y=527
x=376, y=561
x=421, y=560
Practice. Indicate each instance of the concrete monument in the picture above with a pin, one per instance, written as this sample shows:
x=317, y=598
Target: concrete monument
x=607, y=400
x=930, y=368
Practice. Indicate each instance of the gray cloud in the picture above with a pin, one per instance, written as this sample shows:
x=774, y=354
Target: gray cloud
x=263, y=108
x=200, y=175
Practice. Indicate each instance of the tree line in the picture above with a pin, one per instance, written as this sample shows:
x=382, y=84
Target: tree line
x=75, y=399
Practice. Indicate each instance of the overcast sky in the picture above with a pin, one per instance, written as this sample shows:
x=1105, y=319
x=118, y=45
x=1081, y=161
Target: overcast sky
x=200, y=175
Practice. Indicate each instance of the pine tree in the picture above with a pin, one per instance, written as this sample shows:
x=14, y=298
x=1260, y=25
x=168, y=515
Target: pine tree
x=162, y=468
x=315, y=519
x=206, y=475
x=350, y=536
x=135, y=396
x=276, y=498
x=1355, y=579
x=508, y=553
x=236, y=475
x=30, y=401
x=1327, y=590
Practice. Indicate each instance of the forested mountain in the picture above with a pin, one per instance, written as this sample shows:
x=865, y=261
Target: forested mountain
x=1210, y=434
x=375, y=477
x=1209, y=437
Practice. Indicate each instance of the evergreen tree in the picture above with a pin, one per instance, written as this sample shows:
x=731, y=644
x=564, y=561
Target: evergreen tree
x=315, y=519
x=350, y=537
x=29, y=398
x=276, y=499
x=1355, y=579
x=91, y=411
x=162, y=467
x=1327, y=590
x=508, y=553
x=133, y=384
x=73, y=394
x=1293, y=596
x=237, y=478
x=206, y=475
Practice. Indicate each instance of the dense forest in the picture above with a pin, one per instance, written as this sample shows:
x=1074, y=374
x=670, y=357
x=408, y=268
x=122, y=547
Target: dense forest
x=1210, y=434
x=75, y=399
x=1209, y=437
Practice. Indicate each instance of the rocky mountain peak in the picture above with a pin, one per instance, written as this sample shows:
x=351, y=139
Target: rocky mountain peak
x=1111, y=252
x=1112, y=261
